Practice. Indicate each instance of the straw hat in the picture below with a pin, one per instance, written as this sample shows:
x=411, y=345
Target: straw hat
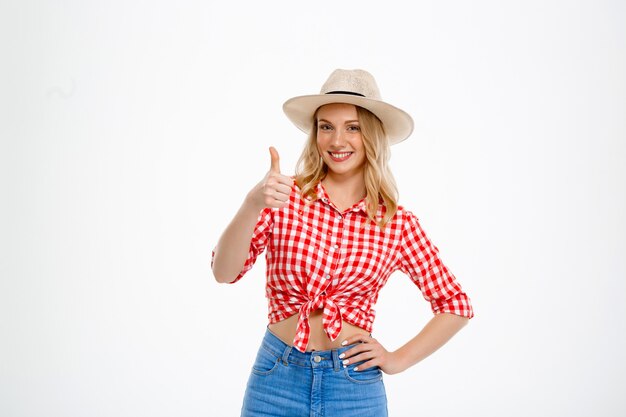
x=356, y=87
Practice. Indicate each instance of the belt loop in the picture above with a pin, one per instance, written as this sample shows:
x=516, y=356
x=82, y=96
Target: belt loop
x=335, y=355
x=286, y=355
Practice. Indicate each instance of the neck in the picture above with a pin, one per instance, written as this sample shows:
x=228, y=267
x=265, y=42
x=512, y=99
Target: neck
x=344, y=191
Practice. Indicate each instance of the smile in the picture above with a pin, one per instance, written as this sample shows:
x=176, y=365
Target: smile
x=340, y=156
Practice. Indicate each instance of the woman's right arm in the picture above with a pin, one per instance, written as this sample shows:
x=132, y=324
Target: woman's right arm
x=234, y=244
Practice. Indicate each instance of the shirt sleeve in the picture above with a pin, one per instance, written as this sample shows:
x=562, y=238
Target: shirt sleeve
x=420, y=261
x=257, y=243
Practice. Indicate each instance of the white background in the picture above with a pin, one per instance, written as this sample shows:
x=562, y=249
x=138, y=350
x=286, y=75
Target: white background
x=131, y=131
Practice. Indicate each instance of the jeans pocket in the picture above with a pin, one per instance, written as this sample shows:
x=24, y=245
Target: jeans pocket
x=265, y=362
x=367, y=376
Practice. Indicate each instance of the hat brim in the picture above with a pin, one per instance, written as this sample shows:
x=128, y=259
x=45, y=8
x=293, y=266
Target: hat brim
x=397, y=123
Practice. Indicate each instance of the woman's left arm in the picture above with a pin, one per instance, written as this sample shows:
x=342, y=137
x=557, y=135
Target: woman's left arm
x=435, y=334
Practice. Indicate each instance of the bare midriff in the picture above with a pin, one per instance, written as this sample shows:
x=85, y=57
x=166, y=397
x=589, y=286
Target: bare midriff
x=318, y=340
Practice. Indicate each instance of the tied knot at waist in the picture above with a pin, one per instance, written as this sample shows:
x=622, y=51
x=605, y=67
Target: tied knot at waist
x=331, y=320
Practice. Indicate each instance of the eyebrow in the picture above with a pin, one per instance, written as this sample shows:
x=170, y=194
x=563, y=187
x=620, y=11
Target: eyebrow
x=346, y=122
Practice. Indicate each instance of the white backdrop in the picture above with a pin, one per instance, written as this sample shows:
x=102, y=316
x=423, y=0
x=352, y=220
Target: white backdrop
x=131, y=131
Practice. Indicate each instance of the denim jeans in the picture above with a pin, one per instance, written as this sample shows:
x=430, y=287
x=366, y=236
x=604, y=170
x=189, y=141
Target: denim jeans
x=289, y=383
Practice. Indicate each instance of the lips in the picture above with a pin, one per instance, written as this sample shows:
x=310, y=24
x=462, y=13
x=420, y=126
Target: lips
x=340, y=156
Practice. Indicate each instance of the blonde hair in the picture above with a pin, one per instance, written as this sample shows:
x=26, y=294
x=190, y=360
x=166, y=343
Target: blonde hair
x=379, y=181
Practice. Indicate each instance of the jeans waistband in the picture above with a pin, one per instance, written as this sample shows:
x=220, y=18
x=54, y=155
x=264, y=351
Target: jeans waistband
x=314, y=359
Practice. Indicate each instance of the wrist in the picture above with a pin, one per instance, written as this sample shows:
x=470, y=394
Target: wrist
x=251, y=203
x=398, y=362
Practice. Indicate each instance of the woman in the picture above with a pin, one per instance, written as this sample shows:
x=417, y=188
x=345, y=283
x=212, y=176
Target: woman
x=333, y=236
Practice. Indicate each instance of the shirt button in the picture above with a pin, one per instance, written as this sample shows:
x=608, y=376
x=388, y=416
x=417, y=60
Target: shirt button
x=336, y=246
x=326, y=276
x=317, y=359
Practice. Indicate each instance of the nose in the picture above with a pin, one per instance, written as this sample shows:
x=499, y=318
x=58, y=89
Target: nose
x=338, y=138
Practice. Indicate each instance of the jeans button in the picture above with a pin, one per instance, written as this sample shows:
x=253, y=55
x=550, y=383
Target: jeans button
x=317, y=359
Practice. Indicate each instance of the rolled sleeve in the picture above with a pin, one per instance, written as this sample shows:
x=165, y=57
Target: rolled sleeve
x=420, y=261
x=258, y=242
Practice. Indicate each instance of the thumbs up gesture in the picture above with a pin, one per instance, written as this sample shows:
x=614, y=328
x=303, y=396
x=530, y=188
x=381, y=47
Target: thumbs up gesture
x=274, y=190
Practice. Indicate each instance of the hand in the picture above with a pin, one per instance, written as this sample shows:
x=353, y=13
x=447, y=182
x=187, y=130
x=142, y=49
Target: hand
x=274, y=190
x=372, y=352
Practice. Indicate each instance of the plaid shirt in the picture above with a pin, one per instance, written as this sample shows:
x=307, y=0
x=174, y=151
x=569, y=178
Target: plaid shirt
x=321, y=258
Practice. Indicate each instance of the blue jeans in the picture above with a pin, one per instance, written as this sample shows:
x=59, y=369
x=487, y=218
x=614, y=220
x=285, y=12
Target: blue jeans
x=289, y=383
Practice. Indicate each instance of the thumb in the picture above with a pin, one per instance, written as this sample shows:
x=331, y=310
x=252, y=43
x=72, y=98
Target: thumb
x=275, y=160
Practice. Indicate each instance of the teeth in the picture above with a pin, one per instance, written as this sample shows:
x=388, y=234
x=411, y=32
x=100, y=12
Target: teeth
x=340, y=155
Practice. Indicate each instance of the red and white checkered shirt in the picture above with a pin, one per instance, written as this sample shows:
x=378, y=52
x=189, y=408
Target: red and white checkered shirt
x=321, y=258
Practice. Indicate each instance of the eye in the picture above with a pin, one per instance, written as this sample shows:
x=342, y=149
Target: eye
x=354, y=128
x=325, y=126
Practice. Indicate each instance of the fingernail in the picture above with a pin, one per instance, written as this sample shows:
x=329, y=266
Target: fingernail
x=342, y=356
x=356, y=368
x=345, y=342
x=347, y=361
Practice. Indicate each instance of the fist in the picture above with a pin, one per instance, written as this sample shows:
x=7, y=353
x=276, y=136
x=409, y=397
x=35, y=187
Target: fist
x=273, y=190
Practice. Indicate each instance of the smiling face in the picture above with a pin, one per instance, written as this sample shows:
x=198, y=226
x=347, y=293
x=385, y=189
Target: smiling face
x=339, y=139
